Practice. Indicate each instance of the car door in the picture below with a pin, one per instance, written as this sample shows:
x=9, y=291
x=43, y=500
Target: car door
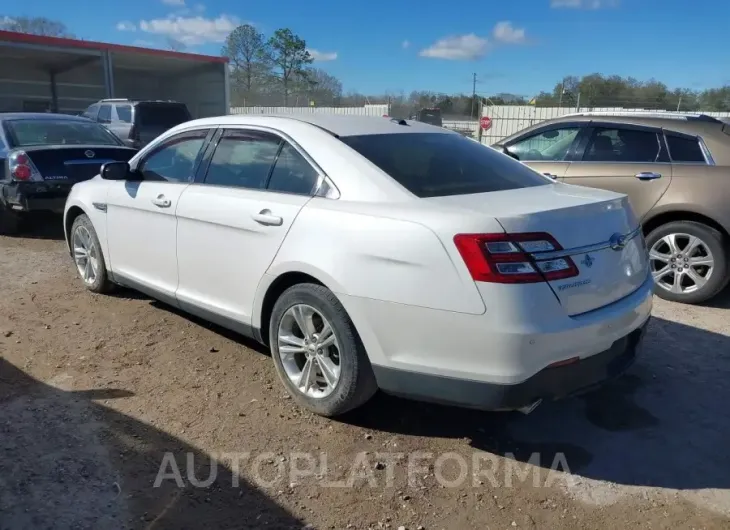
x=624, y=158
x=141, y=222
x=547, y=150
x=233, y=220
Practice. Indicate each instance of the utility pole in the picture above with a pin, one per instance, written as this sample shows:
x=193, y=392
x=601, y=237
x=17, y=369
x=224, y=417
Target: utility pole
x=562, y=91
x=473, y=93
x=679, y=104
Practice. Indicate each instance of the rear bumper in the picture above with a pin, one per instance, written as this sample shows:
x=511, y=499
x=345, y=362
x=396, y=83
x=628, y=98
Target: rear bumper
x=549, y=384
x=34, y=196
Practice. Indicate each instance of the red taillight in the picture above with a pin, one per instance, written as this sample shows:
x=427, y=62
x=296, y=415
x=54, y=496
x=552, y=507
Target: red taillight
x=21, y=172
x=513, y=258
x=22, y=159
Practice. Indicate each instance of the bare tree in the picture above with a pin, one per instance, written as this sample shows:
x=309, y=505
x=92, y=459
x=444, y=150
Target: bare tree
x=35, y=26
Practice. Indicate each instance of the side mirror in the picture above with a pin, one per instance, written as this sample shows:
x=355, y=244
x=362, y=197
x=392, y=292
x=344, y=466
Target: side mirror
x=115, y=171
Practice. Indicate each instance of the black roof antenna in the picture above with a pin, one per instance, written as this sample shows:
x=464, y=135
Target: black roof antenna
x=399, y=121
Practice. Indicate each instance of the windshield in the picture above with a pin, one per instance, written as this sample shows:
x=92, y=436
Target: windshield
x=25, y=133
x=156, y=115
x=434, y=164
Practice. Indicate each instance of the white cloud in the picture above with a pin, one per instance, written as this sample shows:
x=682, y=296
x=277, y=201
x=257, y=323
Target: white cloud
x=322, y=56
x=177, y=3
x=126, y=25
x=192, y=31
x=506, y=33
x=583, y=4
x=406, y=44
x=457, y=48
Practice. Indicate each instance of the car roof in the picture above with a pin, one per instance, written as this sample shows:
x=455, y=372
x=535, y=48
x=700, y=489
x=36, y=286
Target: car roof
x=337, y=124
x=123, y=101
x=39, y=116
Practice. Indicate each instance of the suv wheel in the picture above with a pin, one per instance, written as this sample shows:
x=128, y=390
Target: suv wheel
x=317, y=352
x=688, y=261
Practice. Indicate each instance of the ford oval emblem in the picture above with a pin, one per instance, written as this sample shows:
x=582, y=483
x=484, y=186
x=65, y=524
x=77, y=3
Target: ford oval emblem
x=89, y=153
x=617, y=241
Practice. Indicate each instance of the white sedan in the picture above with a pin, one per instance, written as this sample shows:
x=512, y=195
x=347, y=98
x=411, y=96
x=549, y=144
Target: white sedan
x=374, y=254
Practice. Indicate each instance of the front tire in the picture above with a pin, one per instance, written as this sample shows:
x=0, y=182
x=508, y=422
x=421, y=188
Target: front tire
x=317, y=352
x=87, y=255
x=688, y=260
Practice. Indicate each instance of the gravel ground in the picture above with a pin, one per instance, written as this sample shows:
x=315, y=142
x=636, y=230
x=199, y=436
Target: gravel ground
x=114, y=410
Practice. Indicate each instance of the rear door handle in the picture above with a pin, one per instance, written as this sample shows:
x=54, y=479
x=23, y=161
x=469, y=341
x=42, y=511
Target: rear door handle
x=648, y=175
x=161, y=201
x=550, y=175
x=265, y=217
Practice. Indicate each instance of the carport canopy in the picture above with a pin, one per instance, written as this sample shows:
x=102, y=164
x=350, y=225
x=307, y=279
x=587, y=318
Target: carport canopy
x=48, y=74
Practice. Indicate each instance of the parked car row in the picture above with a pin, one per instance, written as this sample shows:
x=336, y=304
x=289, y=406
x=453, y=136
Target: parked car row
x=391, y=254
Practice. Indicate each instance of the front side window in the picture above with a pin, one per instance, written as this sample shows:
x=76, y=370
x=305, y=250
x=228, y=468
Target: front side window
x=25, y=133
x=440, y=164
x=622, y=145
x=685, y=149
x=105, y=114
x=92, y=112
x=243, y=160
x=552, y=145
x=176, y=160
x=292, y=173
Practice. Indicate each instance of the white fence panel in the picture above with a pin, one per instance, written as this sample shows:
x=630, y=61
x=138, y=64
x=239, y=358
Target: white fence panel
x=367, y=110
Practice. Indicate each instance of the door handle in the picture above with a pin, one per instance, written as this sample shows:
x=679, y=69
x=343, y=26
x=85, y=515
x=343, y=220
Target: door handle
x=161, y=201
x=648, y=175
x=265, y=217
x=550, y=175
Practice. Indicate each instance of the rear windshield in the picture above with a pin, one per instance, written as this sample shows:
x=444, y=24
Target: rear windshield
x=435, y=165
x=161, y=115
x=25, y=133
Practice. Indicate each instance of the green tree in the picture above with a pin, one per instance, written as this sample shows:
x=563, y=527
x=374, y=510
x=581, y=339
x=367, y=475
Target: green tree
x=35, y=26
x=289, y=56
x=248, y=52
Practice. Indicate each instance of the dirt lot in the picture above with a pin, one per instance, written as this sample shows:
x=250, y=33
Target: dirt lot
x=98, y=394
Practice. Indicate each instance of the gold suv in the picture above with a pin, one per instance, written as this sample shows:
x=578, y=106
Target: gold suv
x=675, y=168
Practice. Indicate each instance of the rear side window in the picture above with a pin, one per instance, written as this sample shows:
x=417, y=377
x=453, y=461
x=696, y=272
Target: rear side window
x=292, y=173
x=436, y=164
x=124, y=113
x=161, y=115
x=92, y=112
x=685, y=149
x=622, y=145
x=242, y=160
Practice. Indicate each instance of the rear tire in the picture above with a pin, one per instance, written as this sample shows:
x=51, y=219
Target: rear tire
x=696, y=283
x=88, y=256
x=349, y=366
x=9, y=222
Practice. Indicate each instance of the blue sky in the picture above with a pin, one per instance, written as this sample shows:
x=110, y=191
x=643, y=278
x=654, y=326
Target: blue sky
x=516, y=46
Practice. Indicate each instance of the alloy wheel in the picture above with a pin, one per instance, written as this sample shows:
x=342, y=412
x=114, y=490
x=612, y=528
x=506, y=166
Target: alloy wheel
x=85, y=255
x=681, y=263
x=309, y=351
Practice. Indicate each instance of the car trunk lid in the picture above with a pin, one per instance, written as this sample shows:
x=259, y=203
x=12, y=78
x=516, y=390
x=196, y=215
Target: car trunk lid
x=596, y=229
x=74, y=163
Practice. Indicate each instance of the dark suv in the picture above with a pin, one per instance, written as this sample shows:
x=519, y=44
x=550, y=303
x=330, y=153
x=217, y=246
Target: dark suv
x=137, y=123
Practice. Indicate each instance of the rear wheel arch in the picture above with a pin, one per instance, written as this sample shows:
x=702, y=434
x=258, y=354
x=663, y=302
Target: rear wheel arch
x=663, y=218
x=275, y=290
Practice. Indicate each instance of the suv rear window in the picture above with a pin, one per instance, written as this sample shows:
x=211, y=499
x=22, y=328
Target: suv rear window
x=161, y=115
x=435, y=164
x=683, y=149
